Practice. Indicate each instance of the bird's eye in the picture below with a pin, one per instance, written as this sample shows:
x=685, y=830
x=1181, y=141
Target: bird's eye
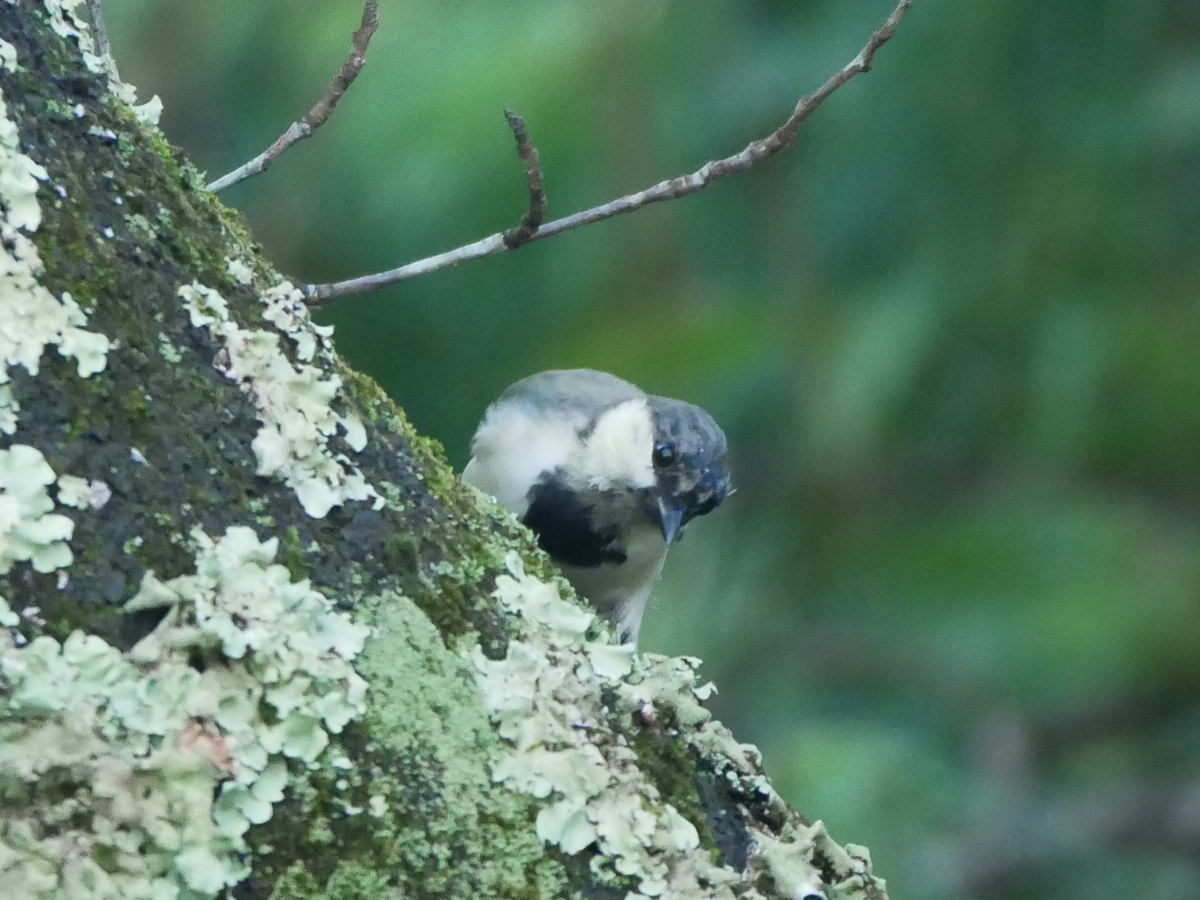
x=664, y=455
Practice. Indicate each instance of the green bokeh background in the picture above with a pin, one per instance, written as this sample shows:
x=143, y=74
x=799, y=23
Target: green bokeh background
x=953, y=335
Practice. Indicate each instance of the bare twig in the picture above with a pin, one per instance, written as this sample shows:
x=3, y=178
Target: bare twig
x=532, y=220
x=316, y=117
x=751, y=155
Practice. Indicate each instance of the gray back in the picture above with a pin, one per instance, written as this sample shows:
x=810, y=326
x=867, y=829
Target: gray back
x=583, y=392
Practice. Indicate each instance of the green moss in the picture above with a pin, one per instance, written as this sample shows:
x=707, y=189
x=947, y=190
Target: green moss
x=291, y=554
x=377, y=408
x=59, y=110
x=368, y=395
x=77, y=424
x=349, y=881
x=354, y=882
x=667, y=762
x=156, y=142
x=125, y=147
x=296, y=884
x=134, y=406
x=401, y=550
x=73, y=236
x=236, y=228
x=405, y=814
x=439, y=478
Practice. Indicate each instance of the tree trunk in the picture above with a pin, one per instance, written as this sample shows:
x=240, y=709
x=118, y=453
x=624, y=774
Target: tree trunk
x=257, y=638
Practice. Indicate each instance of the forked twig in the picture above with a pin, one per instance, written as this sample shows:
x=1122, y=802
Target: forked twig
x=536, y=213
x=754, y=153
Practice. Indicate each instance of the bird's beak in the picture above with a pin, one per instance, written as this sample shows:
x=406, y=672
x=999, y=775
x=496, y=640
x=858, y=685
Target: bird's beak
x=670, y=517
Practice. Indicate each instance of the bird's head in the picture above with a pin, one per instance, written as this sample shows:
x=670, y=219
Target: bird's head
x=688, y=459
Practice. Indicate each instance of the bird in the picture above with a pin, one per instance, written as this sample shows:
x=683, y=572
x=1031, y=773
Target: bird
x=605, y=475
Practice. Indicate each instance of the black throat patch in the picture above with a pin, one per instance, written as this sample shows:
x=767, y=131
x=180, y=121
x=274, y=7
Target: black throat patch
x=565, y=528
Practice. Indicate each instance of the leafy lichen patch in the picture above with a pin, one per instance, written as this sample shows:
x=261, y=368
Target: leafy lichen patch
x=31, y=318
x=562, y=700
x=805, y=863
x=69, y=19
x=111, y=761
x=297, y=648
x=546, y=697
x=29, y=528
x=293, y=400
x=106, y=804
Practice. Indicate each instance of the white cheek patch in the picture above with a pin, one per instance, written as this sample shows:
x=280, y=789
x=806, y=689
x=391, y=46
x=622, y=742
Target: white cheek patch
x=511, y=450
x=618, y=451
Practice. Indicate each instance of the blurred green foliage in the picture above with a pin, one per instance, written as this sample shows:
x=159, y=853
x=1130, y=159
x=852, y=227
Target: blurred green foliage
x=953, y=333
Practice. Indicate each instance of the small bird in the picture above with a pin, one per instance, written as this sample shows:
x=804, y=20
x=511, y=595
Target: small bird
x=605, y=476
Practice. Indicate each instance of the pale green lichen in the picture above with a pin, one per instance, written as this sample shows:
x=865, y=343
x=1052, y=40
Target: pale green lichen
x=296, y=646
x=790, y=862
x=167, y=350
x=148, y=113
x=81, y=493
x=19, y=177
x=31, y=316
x=437, y=832
x=801, y=857
x=239, y=270
x=293, y=400
x=545, y=697
x=548, y=698
x=29, y=528
x=70, y=19
x=8, y=618
x=76, y=756
x=73, y=491
x=286, y=309
x=110, y=761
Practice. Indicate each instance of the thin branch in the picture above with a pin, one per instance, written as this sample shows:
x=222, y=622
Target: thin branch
x=532, y=220
x=316, y=117
x=750, y=156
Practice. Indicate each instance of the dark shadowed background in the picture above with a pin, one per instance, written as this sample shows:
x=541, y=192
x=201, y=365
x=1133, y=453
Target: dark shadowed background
x=953, y=334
